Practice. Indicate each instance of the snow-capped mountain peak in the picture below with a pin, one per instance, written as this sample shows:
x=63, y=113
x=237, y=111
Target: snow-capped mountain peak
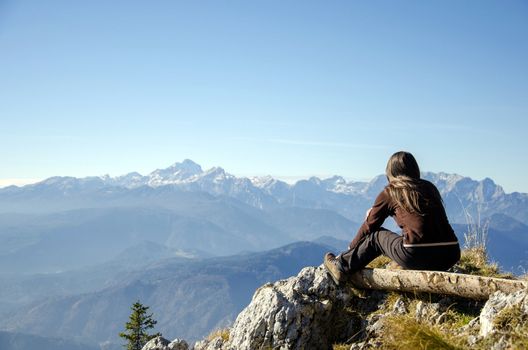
x=335, y=180
x=188, y=166
x=176, y=173
x=268, y=192
x=217, y=174
x=315, y=180
x=262, y=181
x=338, y=184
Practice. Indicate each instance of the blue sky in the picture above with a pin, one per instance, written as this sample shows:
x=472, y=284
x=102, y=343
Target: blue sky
x=288, y=88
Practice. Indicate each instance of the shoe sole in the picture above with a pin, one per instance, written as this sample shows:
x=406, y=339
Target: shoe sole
x=336, y=281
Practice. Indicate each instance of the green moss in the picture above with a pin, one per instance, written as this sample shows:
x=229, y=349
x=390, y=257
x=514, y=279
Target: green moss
x=457, y=320
x=340, y=347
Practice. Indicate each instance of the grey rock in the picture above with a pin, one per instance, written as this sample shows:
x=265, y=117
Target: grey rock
x=472, y=340
x=214, y=344
x=357, y=346
x=502, y=344
x=296, y=313
x=427, y=311
x=498, y=302
x=160, y=343
x=399, y=307
x=178, y=344
x=366, y=345
x=374, y=325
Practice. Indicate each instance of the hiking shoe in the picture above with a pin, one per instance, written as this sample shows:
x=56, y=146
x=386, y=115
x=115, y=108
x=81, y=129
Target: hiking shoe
x=334, y=268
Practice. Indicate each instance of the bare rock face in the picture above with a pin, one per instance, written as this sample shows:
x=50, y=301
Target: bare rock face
x=309, y=311
x=160, y=343
x=212, y=344
x=500, y=302
x=301, y=312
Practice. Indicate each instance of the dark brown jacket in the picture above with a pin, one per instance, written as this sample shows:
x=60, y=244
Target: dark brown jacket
x=431, y=228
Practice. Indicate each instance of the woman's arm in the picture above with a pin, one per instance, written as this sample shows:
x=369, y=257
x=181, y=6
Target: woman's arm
x=374, y=218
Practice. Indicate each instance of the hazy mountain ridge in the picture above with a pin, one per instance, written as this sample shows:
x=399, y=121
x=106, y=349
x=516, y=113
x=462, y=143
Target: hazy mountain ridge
x=141, y=230
x=349, y=198
x=188, y=209
x=22, y=341
x=188, y=298
x=82, y=237
x=209, y=212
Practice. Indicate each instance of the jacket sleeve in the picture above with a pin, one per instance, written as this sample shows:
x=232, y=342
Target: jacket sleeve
x=377, y=215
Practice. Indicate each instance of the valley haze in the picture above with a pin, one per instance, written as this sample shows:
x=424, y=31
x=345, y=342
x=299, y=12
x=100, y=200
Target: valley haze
x=193, y=244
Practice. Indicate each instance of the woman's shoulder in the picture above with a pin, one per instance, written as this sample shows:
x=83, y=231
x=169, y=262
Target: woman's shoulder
x=384, y=194
x=384, y=190
x=429, y=188
x=427, y=183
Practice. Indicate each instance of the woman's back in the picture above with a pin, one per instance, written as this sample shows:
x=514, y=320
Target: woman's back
x=428, y=226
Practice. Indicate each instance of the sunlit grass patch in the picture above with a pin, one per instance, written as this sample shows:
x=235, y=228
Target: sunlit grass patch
x=380, y=262
x=404, y=332
x=219, y=333
x=474, y=261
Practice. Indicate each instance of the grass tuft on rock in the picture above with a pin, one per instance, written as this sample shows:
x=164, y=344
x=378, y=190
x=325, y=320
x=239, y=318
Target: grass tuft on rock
x=512, y=323
x=380, y=262
x=404, y=332
x=474, y=261
x=219, y=333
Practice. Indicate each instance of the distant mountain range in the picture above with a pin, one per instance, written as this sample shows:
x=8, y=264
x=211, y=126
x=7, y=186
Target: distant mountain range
x=209, y=213
x=21, y=341
x=189, y=297
x=193, y=244
x=349, y=198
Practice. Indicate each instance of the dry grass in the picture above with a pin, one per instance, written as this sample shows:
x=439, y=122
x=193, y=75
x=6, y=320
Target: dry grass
x=219, y=333
x=454, y=319
x=404, y=333
x=380, y=262
x=474, y=261
x=513, y=324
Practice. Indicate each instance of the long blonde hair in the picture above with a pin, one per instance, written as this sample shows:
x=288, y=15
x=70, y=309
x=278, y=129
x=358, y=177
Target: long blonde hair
x=403, y=174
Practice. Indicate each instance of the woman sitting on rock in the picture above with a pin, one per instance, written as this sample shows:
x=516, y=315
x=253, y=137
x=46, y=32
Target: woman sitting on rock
x=428, y=241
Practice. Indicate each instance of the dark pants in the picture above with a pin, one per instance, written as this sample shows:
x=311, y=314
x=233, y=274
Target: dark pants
x=388, y=243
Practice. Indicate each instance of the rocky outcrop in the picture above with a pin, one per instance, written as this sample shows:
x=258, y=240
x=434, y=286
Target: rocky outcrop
x=216, y=343
x=304, y=312
x=160, y=343
x=309, y=311
x=499, y=304
x=296, y=313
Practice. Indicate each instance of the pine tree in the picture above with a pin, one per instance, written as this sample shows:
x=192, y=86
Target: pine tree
x=136, y=328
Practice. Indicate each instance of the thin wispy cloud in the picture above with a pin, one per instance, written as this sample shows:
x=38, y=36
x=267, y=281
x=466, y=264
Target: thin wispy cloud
x=445, y=127
x=17, y=182
x=326, y=144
